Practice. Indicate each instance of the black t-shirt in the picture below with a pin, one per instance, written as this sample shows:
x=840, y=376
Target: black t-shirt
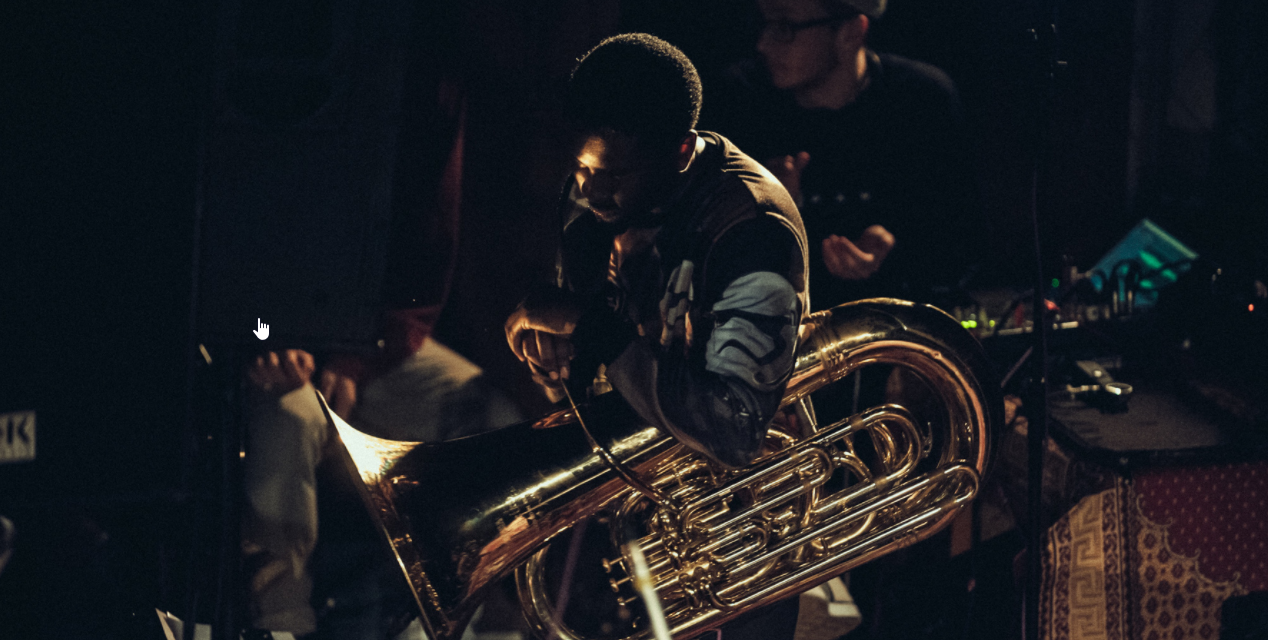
x=898, y=156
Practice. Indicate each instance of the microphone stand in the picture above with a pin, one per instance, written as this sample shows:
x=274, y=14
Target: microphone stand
x=1047, y=63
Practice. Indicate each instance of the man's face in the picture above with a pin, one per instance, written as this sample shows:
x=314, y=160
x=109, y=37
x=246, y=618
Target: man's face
x=809, y=55
x=620, y=179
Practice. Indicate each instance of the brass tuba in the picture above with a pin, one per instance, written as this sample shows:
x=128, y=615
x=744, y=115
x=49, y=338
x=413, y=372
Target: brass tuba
x=823, y=498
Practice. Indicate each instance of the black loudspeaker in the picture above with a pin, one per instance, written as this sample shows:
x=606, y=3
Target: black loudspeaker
x=296, y=197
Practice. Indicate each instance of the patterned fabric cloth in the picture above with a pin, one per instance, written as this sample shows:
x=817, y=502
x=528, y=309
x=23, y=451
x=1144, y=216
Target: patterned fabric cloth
x=1174, y=599
x=1216, y=513
x=1111, y=572
x=1084, y=592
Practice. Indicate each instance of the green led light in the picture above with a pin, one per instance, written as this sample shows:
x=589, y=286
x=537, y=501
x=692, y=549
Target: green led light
x=992, y=323
x=1170, y=275
x=1150, y=259
x=1056, y=283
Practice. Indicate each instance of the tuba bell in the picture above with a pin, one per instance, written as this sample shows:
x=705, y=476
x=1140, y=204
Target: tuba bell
x=826, y=494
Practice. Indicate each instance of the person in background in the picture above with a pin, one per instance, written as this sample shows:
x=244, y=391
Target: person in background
x=872, y=147
x=299, y=541
x=315, y=566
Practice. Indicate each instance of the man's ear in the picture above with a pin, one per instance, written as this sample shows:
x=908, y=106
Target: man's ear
x=686, y=150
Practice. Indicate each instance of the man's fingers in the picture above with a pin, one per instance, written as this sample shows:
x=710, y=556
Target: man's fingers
x=569, y=353
x=546, y=350
x=801, y=161
x=837, y=260
x=847, y=255
x=281, y=372
x=852, y=252
x=522, y=341
x=306, y=364
x=532, y=355
x=547, y=354
x=846, y=261
x=541, y=337
x=345, y=396
x=876, y=240
x=292, y=368
x=328, y=384
x=858, y=263
x=563, y=353
x=273, y=369
x=515, y=333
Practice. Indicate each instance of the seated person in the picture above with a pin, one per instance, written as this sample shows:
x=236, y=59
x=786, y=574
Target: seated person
x=872, y=146
x=433, y=394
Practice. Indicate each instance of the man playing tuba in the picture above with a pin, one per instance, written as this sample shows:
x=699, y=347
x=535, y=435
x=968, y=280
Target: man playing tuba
x=681, y=278
x=682, y=270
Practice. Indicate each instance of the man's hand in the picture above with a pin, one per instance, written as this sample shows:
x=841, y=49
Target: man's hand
x=281, y=373
x=340, y=391
x=788, y=170
x=541, y=335
x=857, y=260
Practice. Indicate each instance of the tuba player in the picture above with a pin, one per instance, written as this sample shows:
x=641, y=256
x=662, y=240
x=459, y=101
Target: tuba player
x=681, y=280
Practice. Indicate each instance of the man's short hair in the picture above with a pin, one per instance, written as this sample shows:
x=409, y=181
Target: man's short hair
x=635, y=84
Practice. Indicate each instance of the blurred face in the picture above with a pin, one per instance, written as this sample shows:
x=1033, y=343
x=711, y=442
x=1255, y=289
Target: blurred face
x=797, y=56
x=620, y=179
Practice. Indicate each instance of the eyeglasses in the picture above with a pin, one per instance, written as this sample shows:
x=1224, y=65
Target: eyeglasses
x=784, y=32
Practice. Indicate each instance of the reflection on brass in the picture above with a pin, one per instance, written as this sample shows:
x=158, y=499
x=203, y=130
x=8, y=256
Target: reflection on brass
x=567, y=416
x=463, y=514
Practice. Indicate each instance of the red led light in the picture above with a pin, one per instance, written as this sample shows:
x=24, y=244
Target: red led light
x=1250, y=308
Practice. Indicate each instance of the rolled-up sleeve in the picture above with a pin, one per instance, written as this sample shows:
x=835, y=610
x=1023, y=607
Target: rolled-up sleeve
x=721, y=402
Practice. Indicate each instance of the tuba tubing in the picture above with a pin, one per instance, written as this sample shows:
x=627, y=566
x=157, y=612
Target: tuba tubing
x=463, y=514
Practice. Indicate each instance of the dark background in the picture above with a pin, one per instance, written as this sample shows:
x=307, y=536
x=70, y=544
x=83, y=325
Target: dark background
x=107, y=111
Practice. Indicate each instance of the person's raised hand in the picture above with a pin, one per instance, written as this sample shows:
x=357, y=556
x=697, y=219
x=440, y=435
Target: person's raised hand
x=280, y=373
x=857, y=260
x=788, y=170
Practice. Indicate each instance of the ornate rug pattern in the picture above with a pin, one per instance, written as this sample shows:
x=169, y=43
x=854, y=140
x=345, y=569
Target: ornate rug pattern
x=1084, y=592
x=1216, y=513
x=1111, y=574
